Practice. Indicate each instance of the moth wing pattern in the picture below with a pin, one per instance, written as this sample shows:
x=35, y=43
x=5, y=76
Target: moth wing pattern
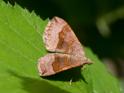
x=68, y=51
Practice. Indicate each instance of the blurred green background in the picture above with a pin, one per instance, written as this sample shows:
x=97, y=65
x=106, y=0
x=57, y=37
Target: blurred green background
x=99, y=24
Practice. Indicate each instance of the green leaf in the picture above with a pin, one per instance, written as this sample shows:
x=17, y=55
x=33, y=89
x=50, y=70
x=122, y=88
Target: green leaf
x=21, y=46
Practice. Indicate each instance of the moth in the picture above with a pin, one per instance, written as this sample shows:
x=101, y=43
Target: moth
x=66, y=51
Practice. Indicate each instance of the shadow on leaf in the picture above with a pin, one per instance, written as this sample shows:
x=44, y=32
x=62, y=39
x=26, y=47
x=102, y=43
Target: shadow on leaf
x=33, y=85
x=73, y=74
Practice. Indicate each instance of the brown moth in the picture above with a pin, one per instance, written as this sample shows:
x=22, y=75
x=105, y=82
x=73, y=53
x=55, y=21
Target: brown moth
x=66, y=50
